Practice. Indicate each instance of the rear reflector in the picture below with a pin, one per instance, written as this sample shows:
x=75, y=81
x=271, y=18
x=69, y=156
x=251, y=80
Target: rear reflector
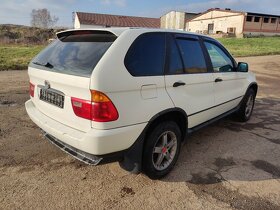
x=31, y=89
x=99, y=109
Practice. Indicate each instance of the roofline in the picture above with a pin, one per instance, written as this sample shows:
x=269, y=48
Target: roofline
x=193, y=13
x=262, y=14
x=215, y=9
x=116, y=15
x=119, y=30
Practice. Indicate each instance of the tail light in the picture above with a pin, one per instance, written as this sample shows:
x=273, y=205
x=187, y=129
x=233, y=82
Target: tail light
x=99, y=109
x=31, y=89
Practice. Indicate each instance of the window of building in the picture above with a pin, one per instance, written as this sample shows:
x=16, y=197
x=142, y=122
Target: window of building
x=221, y=62
x=273, y=20
x=257, y=19
x=249, y=18
x=192, y=54
x=266, y=20
x=231, y=30
x=146, y=55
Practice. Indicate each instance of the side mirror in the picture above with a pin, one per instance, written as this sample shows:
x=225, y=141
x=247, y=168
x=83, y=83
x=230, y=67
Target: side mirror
x=242, y=67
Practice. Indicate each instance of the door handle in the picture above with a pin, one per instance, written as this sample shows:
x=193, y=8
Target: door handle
x=218, y=79
x=177, y=84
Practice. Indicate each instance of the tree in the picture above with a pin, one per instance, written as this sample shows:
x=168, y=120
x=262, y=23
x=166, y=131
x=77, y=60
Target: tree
x=42, y=18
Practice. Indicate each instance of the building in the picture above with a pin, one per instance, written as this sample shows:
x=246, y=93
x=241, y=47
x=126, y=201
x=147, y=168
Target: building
x=86, y=20
x=235, y=23
x=176, y=20
x=213, y=21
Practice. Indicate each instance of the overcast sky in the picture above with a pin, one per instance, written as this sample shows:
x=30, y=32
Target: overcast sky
x=18, y=11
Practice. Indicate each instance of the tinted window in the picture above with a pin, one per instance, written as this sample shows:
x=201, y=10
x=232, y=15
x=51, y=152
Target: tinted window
x=192, y=54
x=75, y=53
x=146, y=55
x=221, y=62
x=175, y=64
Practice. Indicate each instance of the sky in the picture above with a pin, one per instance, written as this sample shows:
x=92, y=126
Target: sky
x=18, y=11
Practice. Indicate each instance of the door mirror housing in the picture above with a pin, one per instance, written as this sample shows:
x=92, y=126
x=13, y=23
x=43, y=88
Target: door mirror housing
x=242, y=67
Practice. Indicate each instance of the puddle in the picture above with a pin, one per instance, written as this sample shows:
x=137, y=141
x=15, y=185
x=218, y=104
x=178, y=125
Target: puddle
x=267, y=167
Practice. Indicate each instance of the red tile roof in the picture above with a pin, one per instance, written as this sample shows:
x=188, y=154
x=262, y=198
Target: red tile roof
x=117, y=20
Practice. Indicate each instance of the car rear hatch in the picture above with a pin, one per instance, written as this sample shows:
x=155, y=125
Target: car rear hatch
x=62, y=72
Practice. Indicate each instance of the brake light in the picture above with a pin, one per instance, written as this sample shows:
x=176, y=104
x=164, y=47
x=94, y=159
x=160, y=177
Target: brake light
x=82, y=108
x=103, y=109
x=99, y=109
x=31, y=89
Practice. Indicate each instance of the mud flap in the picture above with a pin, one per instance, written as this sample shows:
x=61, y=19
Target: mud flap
x=132, y=160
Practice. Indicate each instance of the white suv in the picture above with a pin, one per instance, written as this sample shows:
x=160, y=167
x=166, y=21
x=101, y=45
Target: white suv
x=133, y=95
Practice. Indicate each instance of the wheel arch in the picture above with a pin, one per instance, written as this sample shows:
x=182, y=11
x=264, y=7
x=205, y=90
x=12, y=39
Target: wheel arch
x=253, y=86
x=178, y=115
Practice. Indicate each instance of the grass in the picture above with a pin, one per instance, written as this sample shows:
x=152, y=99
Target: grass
x=252, y=46
x=17, y=57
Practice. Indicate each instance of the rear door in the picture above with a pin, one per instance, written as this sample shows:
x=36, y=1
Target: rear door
x=228, y=84
x=188, y=79
x=63, y=71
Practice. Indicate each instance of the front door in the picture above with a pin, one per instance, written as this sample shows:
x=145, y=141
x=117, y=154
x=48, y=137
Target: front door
x=228, y=85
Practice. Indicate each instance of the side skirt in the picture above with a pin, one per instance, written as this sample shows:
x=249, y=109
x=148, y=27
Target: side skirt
x=191, y=130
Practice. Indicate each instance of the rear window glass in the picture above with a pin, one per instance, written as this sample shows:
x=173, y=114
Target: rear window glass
x=146, y=55
x=75, y=53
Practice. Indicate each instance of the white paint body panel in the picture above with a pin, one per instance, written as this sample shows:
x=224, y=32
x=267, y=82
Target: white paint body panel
x=196, y=95
x=111, y=77
x=71, y=86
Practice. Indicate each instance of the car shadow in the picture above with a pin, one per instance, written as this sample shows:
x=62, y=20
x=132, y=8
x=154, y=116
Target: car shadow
x=230, y=150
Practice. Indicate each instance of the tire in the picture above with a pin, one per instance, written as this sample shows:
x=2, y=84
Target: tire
x=158, y=157
x=247, y=105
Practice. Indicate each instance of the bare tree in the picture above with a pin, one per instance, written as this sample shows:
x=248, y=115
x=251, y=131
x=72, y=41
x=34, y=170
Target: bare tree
x=42, y=18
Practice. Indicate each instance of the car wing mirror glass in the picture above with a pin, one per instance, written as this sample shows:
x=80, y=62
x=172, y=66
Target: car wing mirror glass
x=242, y=67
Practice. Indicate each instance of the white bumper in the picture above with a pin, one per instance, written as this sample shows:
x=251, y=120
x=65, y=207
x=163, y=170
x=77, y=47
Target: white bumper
x=96, y=142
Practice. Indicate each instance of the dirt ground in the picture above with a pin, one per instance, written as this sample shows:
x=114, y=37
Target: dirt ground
x=227, y=165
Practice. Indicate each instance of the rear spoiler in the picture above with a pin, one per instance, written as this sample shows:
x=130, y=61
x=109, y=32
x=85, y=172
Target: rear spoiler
x=86, y=36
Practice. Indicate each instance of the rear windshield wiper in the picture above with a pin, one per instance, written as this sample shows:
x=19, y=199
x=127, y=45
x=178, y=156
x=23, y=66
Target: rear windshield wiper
x=48, y=65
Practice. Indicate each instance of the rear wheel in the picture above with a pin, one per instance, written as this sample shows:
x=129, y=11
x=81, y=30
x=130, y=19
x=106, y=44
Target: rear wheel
x=245, y=111
x=162, y=148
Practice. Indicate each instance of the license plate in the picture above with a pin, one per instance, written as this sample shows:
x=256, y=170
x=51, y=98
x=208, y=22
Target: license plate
x=52, y=97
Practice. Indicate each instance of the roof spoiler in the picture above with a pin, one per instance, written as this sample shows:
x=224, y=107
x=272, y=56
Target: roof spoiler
x=97, y=35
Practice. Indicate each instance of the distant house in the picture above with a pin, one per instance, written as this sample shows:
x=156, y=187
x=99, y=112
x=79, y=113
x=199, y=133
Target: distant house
x=95, y=20
x=215, y=21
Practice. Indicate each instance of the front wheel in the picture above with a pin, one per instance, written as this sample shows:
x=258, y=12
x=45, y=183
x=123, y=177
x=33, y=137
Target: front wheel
x=247, y=105
x=162, y=148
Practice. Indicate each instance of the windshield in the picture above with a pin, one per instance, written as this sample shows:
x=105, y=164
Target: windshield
x=76, y=52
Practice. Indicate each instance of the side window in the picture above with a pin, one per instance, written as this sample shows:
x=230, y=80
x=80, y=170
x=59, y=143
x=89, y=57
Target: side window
x=221, y=62
x=192, y=54
x=146, y=55
x=175, y=64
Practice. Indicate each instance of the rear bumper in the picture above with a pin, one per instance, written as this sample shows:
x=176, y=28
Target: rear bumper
x=94, y=142
x=76, y=153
